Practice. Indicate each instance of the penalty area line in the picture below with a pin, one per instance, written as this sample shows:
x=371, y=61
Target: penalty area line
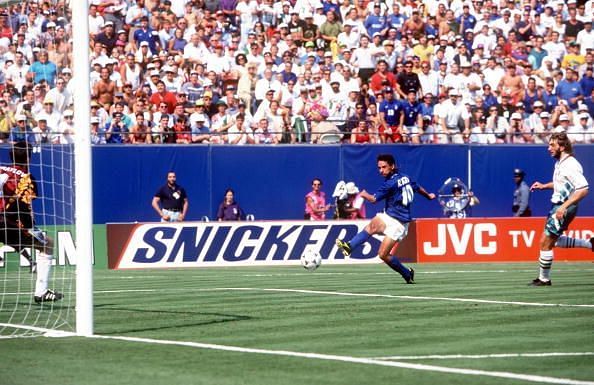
x=408, y=297
x=317, y=356
x=482, y=356
x=356, y=360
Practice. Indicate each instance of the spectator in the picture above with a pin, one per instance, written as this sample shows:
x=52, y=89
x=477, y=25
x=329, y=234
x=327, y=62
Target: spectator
x=22, y=132
x=43, y=69
x=171, y=201
x=315, y=202
x=229, y=209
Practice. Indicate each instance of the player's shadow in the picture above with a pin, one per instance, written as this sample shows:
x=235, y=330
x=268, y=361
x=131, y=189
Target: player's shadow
x=211, y=318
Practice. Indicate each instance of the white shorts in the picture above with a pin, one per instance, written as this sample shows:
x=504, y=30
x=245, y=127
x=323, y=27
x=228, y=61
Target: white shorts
x=394, y=229
x=173, y=215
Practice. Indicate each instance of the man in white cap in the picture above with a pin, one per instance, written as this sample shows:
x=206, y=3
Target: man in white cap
x=543, y=128
x=564, y=123
x=61, y=97
x=533, y=120
x=454, y=118
x=577, y=132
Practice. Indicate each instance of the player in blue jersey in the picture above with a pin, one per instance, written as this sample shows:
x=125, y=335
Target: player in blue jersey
x=398, y=192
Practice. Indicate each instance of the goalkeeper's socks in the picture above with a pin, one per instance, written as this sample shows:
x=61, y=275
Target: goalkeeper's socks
x=359, y=239
x=398, y=267
x=44, y=265
x=567, y=242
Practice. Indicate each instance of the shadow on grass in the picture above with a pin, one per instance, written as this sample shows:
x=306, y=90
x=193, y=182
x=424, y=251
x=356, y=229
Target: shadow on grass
x=169, y=322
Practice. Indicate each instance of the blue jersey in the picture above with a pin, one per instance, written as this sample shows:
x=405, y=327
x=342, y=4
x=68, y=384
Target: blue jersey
x=392, y=111
x=398, y=191
x=411, y=112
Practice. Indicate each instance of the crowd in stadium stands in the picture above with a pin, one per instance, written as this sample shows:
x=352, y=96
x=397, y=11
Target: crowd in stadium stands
x=302, y=71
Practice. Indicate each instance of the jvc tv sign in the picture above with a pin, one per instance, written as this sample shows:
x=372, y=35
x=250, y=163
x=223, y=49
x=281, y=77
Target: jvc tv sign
x=492, y=240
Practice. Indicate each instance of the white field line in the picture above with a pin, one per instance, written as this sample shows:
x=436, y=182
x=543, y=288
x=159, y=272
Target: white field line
x=482, y=356
x=338, y=293
x=409, y=297
x=329, y=357
x=303, y=273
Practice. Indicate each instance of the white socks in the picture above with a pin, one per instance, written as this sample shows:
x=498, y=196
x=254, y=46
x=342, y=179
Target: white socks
x=566, y=242
x=545, y=261
x=44, y=266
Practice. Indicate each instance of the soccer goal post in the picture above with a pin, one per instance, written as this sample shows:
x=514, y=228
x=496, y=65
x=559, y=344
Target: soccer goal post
x=83, y=169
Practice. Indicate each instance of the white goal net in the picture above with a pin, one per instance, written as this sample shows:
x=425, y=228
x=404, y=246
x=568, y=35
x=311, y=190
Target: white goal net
x=23, y=311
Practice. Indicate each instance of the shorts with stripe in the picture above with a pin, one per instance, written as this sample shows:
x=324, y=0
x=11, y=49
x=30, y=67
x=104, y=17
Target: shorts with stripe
x=555, y=226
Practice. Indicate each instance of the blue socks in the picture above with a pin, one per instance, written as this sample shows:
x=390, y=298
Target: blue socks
x=359, y=239
x=397, y=266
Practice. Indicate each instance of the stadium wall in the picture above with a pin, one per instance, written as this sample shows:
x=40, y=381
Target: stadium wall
x=270, y=182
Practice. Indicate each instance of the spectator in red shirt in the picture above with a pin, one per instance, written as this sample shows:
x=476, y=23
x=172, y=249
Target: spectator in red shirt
x=163, y=96
x=382, y=77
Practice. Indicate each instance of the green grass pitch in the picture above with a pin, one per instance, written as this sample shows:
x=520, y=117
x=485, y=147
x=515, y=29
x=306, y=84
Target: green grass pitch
x=356, y=324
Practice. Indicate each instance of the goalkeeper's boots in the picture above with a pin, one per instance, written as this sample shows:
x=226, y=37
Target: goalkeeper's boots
x=411, y=277
x=344, y=247
x=49, y=296
x=539, y=282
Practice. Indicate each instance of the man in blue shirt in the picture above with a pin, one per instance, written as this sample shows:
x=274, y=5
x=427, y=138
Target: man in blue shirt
x=43, y=69
x=466, y=20
x=587, y=81
x=145, y=33
x=569, y=89
x=21, y=132
x=398, y=192
x=376, y=22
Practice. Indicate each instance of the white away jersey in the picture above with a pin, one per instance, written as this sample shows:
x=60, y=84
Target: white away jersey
x=567, y=178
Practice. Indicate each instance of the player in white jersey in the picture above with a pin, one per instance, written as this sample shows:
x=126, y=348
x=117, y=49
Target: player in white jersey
x=569, y=187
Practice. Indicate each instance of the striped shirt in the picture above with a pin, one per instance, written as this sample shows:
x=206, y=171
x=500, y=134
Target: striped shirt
x=567, y=178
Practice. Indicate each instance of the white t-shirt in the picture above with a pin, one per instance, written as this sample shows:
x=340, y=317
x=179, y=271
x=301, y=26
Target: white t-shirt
x=568, y=177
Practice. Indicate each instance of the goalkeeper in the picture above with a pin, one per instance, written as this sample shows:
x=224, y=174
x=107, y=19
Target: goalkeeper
x=17, y=228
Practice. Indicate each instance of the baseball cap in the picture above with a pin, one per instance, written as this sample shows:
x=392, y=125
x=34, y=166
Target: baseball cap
x=584, y=115
x=538, y=103
x=563, y=118
x=20, y=117
x=545, y=115
x=519, y=172
x=94, y=119
x=453, y=92
x=516, y=116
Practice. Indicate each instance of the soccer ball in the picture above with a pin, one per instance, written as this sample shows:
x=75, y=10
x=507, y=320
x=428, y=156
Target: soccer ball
x=311, y=260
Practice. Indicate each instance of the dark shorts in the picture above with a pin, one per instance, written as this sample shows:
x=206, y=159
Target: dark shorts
x=23, y=238
x=557, y=227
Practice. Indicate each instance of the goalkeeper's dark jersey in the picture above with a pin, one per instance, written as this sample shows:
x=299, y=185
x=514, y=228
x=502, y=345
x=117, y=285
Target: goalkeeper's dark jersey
x=18, y=191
